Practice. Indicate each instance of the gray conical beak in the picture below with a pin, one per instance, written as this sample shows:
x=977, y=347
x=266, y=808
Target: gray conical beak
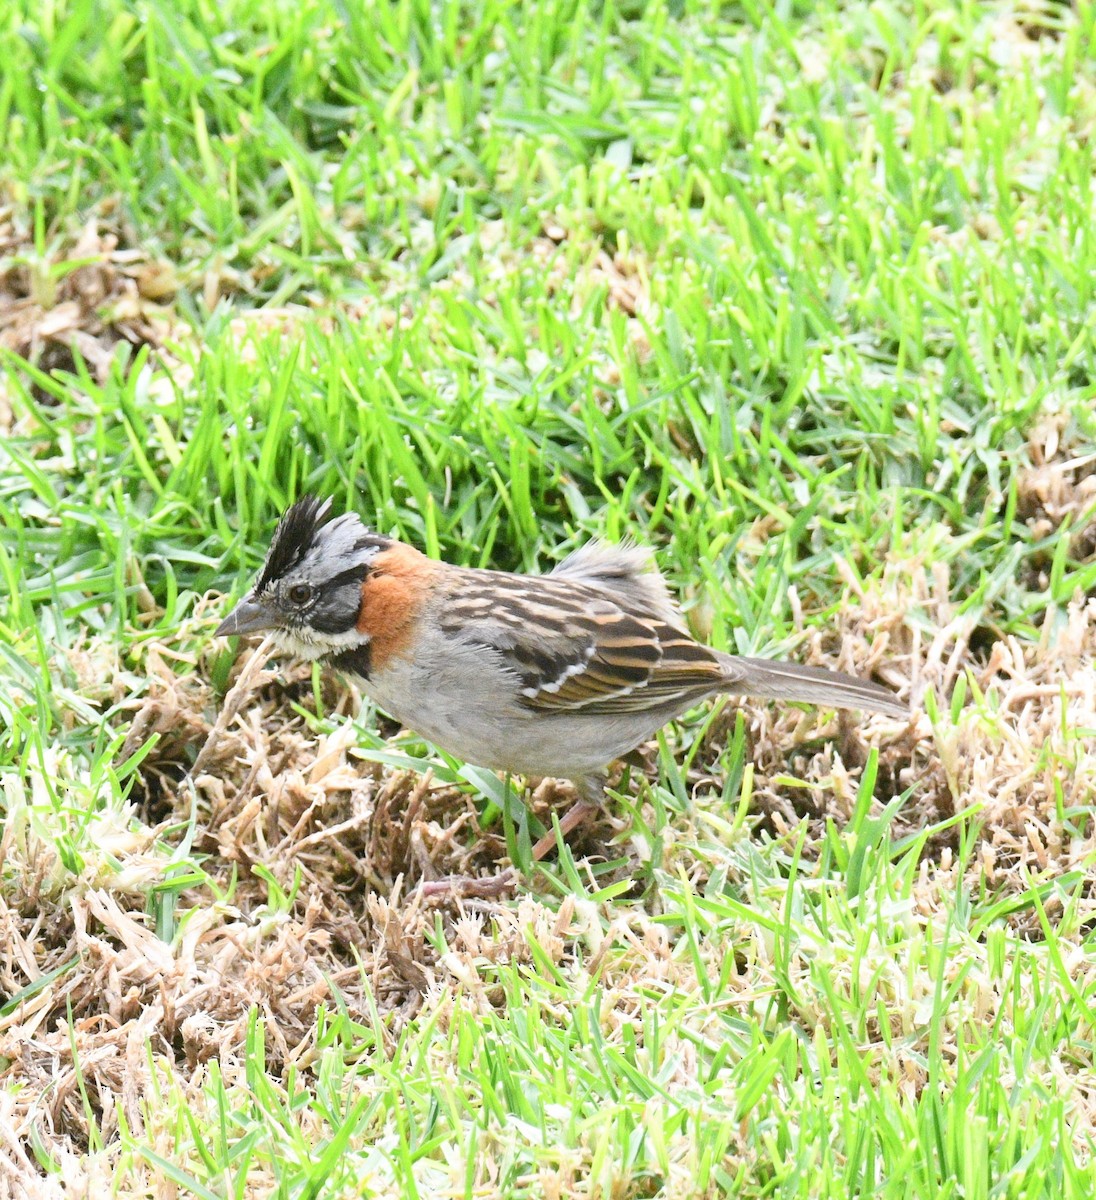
x=249, y=616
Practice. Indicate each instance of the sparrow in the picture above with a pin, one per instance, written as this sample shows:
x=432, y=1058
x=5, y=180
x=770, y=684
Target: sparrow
x=551, y=675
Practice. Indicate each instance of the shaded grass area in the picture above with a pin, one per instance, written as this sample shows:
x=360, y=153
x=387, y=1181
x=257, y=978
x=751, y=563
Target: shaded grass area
x=801, y=297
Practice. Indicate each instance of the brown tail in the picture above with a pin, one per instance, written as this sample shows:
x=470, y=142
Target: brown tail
x=810, y=685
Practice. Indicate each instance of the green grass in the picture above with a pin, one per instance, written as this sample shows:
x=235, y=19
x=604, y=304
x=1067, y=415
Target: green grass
x=795, y=294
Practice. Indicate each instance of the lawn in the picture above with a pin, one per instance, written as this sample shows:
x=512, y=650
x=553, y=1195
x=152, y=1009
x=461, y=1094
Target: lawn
x=801, y=296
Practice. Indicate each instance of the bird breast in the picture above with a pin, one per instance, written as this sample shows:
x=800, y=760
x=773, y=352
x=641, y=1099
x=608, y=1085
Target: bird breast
x=463, y=700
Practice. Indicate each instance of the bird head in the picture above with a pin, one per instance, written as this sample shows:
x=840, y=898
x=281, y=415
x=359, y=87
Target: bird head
x=309, y=592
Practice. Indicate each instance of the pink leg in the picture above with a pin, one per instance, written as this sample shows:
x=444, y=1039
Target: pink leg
x=572, y=819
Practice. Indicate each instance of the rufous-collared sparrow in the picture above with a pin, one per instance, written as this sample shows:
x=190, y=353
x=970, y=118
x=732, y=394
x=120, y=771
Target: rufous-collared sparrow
x=552, y=675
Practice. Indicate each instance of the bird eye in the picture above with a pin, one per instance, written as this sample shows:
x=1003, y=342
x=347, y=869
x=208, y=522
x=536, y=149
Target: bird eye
x=300, y=593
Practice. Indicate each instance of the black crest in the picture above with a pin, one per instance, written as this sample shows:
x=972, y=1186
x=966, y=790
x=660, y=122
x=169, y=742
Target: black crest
x=295, y=533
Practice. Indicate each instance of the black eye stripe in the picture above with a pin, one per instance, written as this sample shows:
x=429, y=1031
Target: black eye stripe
x=309, y=591
x=350, y=575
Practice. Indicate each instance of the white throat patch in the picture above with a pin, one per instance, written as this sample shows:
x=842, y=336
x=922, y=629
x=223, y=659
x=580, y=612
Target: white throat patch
x=307, y=644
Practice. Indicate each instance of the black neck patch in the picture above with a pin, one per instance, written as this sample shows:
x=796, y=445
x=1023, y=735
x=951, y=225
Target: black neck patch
x=295, y=533
x=358, y=660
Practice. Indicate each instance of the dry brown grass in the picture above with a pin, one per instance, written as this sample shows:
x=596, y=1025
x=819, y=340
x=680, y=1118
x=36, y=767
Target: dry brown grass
x=110, y=1017
x=80, y=295
x=127, y=1013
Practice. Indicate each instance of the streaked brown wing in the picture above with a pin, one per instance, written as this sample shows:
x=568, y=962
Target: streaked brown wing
x=575, y=648
x=615, y=680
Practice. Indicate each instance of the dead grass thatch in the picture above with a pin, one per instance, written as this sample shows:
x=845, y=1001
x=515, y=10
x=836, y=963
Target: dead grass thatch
x=81, y=295
x=318, y=863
